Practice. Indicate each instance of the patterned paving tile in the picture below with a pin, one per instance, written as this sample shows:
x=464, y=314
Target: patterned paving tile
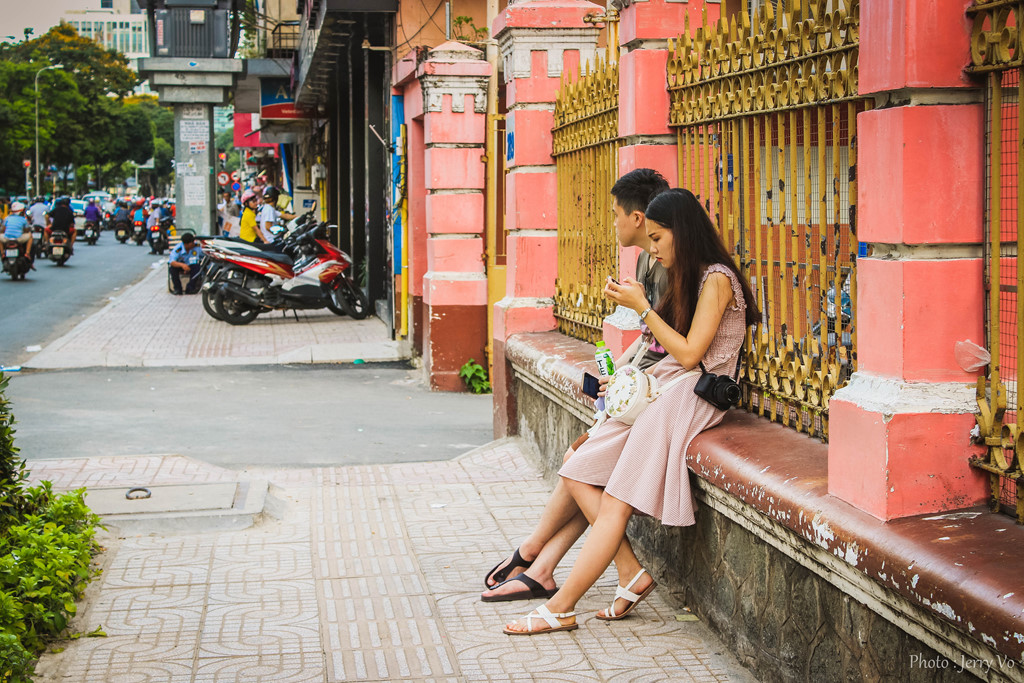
x=284, y=667
x=259, y=629
x=363, y=557
x=251, y=562
x=373, y=575
x=172, y=564
x=89, y=656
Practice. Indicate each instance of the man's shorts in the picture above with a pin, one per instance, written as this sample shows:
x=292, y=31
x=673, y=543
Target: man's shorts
x=21, y=239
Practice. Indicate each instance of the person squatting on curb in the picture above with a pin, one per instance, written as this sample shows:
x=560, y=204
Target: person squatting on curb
x=186, y=257
x=641, y=468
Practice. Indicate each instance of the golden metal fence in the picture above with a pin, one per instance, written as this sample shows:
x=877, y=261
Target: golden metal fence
x=997, y=53
x=585, y=148
x=766, y=122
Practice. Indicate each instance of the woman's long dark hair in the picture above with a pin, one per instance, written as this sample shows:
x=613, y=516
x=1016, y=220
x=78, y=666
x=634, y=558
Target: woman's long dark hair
x=696, y=245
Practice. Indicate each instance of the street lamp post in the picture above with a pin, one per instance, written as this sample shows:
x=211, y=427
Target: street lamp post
x=45, y=68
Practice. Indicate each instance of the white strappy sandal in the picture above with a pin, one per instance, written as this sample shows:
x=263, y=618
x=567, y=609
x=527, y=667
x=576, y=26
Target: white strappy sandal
x=552, y=619
x=627, y=594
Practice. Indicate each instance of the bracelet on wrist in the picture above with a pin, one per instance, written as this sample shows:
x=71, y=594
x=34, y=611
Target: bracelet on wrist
x=645, y=312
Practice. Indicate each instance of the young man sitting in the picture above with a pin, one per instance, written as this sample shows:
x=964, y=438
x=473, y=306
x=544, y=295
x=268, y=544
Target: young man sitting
x=529, y=572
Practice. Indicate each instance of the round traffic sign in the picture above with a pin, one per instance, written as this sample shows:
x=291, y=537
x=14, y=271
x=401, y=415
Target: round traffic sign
x=235, y=175
x=222, y=178
x=236, y=187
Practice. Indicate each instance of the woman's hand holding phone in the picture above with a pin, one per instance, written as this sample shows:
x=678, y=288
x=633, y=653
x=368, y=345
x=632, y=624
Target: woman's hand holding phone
x=628, y=293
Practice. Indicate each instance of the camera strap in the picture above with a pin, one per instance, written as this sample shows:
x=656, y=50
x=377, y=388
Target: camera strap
x=735, y=374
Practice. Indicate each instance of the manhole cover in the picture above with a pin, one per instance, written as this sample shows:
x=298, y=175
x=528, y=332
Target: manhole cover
x=171, y=498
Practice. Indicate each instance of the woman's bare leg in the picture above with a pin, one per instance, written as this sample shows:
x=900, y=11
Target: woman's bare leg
x=604, y=543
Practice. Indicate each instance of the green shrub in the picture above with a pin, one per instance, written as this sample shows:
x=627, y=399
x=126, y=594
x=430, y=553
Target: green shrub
x=15, y=661
x=12, y=468
x=475, y=377
x=47, y=541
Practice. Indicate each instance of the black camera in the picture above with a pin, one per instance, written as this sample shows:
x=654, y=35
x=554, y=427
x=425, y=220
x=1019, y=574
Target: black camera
x=721, y=391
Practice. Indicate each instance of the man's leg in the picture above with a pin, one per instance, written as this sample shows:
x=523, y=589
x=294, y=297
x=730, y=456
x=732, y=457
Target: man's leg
x=175, y=276
x=195, y=273
x=560, y=524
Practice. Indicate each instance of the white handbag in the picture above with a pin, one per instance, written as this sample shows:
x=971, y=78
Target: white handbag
x=630, y=390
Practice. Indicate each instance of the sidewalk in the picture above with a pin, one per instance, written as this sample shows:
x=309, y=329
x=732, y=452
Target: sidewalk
x=369, y=573
x=147, y=326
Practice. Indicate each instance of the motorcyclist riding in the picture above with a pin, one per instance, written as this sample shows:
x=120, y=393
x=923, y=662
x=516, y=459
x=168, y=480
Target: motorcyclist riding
x=62, y=219
x=156, y=213
x=37, y=213
x=93, y=213
x=16, y=228
x=121, y=215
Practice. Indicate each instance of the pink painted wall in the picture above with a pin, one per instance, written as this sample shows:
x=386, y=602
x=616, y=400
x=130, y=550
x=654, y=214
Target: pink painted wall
x=900, y=198
x=913, y=312
x=917, y=462
x=920, y=172
x=655, y=19
x=913, y=44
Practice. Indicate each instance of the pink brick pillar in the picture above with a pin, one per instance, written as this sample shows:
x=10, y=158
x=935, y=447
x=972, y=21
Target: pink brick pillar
x=648, y=142
x=454, y=86
x=538, y=40
x=899, y=432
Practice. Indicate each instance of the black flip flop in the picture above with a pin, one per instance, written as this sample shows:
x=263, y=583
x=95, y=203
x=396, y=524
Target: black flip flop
x=502, y=576
x=535, y=591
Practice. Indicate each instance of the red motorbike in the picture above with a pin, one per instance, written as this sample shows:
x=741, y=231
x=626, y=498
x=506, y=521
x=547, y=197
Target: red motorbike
x=315, y=275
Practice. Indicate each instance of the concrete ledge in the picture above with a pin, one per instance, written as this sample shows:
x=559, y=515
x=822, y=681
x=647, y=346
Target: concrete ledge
x=944, y=569
x=943, y=581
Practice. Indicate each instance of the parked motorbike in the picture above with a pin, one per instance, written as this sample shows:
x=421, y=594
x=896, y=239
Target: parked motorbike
x=215, y=248
x=91, y=232
x=319, y=276
x=15, y=260
x=121, y=232
x=58, y=249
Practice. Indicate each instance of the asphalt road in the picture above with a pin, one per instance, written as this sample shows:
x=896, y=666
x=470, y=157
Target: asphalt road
x=52, y=300
x=275, y=416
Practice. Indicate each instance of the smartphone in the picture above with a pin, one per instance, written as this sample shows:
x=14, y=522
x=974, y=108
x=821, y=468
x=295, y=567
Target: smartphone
x=591, y=385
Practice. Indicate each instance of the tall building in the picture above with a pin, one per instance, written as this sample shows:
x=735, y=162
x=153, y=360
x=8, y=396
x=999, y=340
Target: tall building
x=116, y=24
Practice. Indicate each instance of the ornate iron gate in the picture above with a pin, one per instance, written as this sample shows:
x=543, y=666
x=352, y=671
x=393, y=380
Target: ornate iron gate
x=586, y=143
x=997, y=52
x=766, y=122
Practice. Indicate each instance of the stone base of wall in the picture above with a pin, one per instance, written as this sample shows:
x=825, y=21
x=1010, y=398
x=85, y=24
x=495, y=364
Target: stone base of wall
x=782, y=620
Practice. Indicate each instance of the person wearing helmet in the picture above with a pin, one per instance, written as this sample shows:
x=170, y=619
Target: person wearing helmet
x=62, y=219
x=248, y=229
x=269, y=214
x=92, y=213
x=155, y=215
x=37, y=213
x=17, y=229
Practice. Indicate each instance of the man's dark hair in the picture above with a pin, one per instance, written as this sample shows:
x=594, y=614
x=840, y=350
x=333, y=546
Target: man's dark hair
x=635, y=190
x=188, y=237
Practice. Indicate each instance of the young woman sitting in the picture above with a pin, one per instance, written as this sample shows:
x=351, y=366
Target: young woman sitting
x=623, y=468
